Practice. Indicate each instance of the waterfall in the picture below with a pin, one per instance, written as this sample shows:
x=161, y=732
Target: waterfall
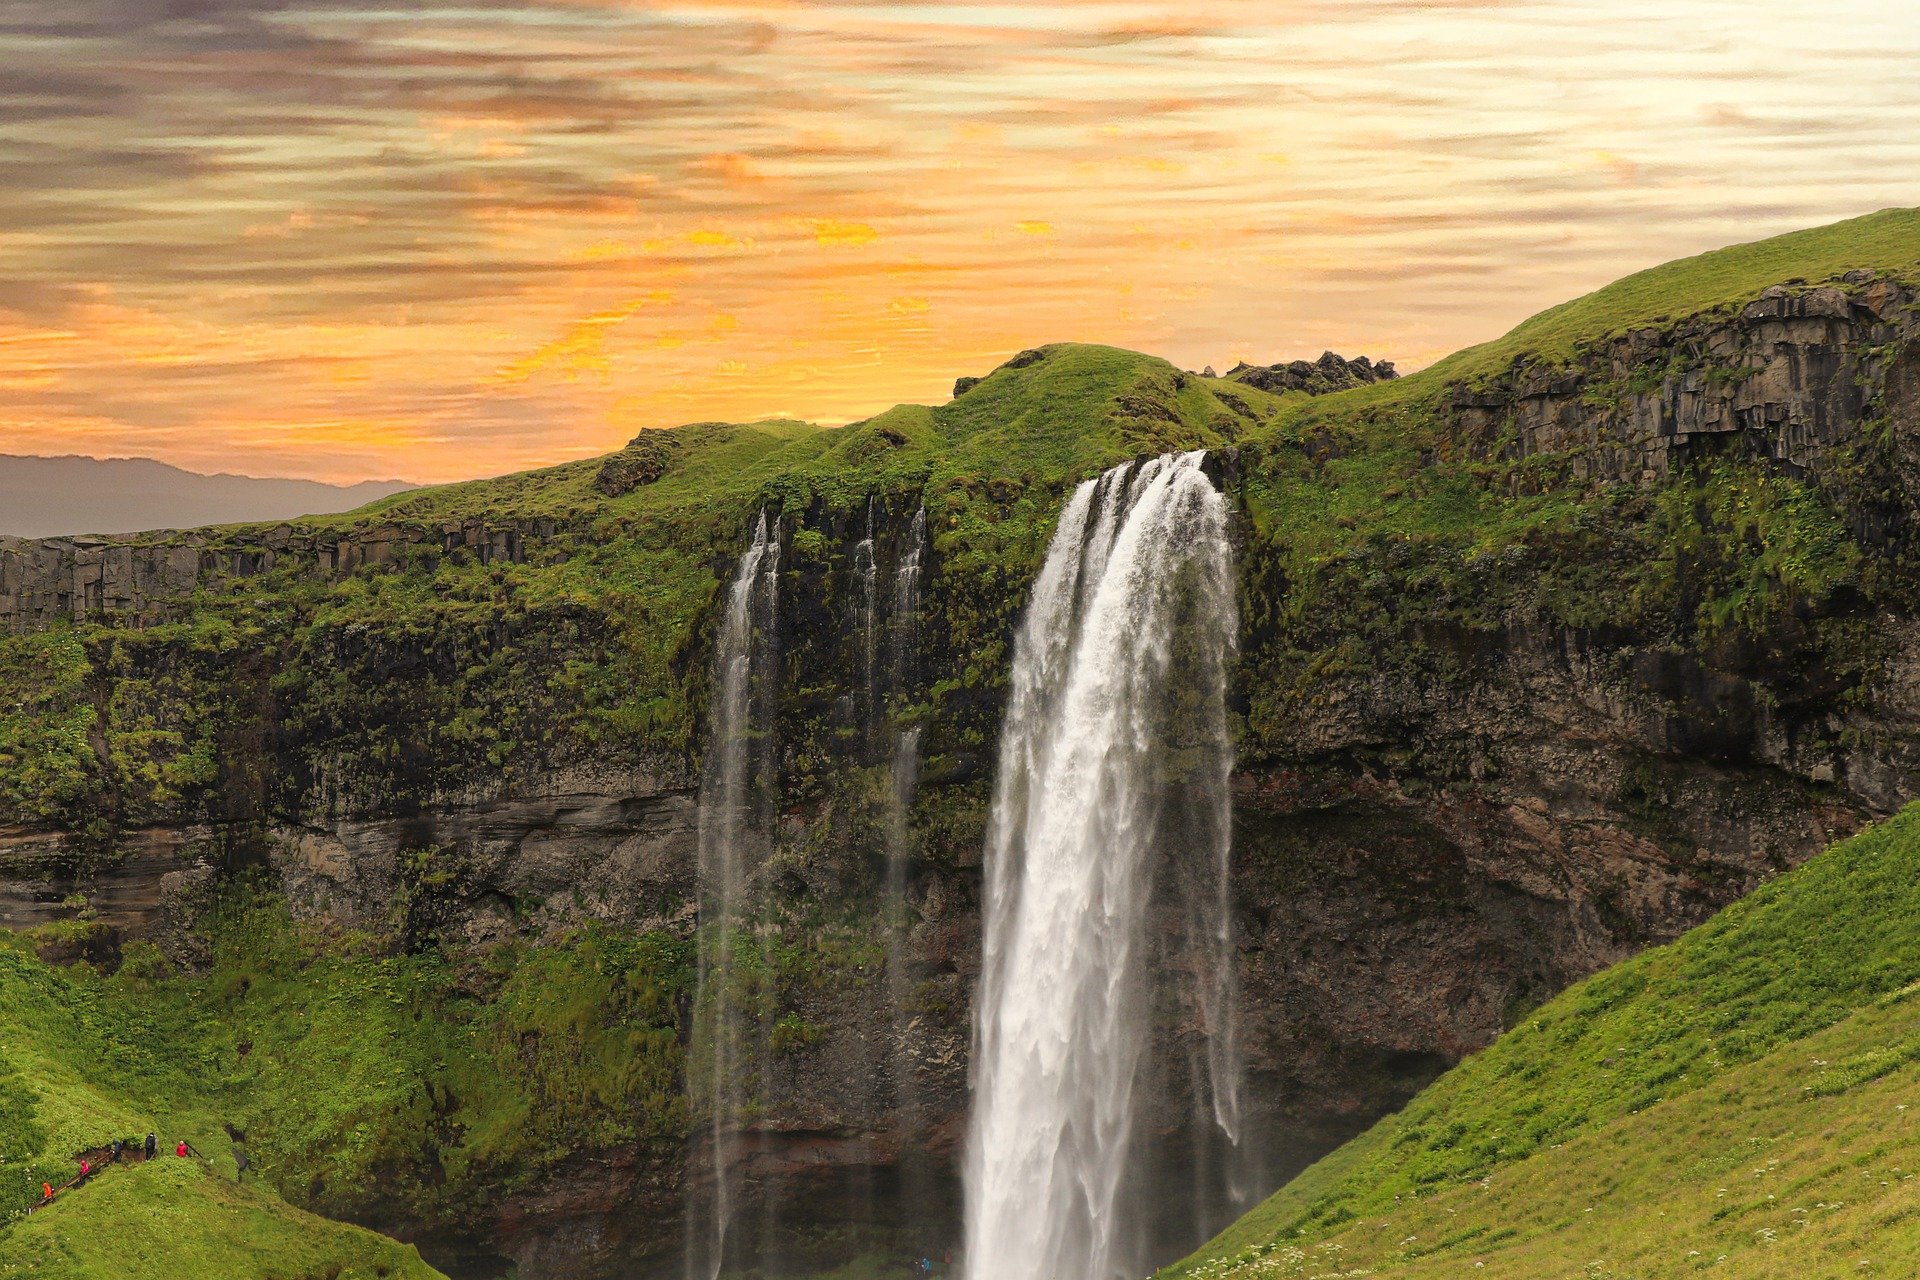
x=736, y=809
x=903, y=646
x=866, y=619
x=1106, y=853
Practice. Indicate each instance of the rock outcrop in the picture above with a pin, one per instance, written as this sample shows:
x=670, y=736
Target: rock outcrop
x=1318, y=377
x=643, y=461
x=1794, y=375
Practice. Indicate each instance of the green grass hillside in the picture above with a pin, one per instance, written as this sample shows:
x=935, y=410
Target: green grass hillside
x=178, y=1218
x=1744, y=1102
x=85, y=1061
x=367, y=1084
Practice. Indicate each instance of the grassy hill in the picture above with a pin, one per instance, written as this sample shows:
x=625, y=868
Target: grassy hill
x=85, y=1061
x=178, y=1218
x=341, y=1063
x=1741, y=1103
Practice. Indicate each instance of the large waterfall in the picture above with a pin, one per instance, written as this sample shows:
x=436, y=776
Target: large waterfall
x=1105, y=894
x=736, y=800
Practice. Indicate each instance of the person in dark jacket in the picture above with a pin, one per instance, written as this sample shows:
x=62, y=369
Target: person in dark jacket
x=152, y=1146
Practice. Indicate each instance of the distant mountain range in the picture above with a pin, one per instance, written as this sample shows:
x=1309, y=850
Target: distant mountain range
x=45, y=497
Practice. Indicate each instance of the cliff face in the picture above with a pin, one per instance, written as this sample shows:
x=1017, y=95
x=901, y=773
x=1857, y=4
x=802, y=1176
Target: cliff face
x=151, y=578
x=1792, y=377
x=1617, y=636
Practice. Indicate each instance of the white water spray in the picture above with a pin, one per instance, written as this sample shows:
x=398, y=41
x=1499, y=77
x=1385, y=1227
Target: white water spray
x=1112, y=789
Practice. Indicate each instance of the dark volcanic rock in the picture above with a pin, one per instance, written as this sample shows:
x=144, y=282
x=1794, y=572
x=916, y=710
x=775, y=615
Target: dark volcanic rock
x=642, y=462
x=1329, y=373
x=1792, y=377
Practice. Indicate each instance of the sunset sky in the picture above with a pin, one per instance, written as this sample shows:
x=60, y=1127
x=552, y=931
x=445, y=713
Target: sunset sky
x=351, y=238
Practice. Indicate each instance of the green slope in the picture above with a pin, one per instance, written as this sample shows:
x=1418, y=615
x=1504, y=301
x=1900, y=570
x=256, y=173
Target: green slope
x=178, y=1218
x=368, y=1085
x=84, y=1062
x=1736, y=1102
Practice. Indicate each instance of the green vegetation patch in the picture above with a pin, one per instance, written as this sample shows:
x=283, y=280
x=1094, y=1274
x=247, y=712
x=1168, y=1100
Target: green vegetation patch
x=361, y=1084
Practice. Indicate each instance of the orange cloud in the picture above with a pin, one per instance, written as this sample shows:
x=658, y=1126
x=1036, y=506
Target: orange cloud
x=833, y=232
x=582, y=350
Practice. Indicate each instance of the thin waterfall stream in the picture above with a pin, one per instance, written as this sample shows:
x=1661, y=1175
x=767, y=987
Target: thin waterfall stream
x=1110, y=805
x=903, y=784
x=735, y=816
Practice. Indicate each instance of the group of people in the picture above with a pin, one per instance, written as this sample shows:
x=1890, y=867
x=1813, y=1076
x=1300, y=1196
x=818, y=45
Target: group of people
x=150, y=1148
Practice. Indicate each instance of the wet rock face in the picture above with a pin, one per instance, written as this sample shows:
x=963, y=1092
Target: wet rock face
x=624, y=855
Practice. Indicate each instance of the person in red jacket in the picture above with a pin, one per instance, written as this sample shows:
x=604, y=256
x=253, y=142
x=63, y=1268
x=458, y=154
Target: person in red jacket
x=46, y=1192
x=181, y=1150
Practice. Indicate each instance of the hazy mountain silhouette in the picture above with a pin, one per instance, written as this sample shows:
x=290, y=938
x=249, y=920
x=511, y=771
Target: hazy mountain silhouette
x=43, y=497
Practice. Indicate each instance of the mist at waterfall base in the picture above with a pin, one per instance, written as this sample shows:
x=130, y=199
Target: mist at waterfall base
x=1105, y=1125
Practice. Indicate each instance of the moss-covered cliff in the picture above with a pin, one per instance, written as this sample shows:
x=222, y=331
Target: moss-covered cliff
x=1550, y=651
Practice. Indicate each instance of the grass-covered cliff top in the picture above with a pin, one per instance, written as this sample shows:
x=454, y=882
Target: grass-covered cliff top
x=1744, y=1102
x=1887, y=242
x=1070, y=409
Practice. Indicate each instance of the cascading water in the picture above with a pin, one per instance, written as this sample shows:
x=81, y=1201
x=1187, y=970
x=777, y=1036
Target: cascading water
x=736, y=802
x=866, y=620
x=903, y=645
x=1110, y=804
